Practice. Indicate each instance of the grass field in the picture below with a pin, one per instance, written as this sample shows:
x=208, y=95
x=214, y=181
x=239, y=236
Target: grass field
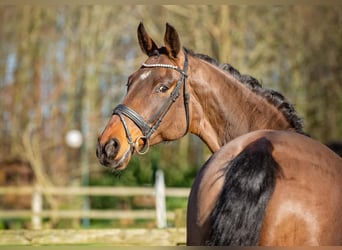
x=98, y=237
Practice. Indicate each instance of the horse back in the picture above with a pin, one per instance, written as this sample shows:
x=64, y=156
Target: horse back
x=305, y=204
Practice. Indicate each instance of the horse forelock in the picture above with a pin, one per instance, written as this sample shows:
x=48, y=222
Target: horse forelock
x=273, y=97
x=158, y=52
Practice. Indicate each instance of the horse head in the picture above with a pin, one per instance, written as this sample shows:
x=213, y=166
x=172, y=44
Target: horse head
x=156, y=105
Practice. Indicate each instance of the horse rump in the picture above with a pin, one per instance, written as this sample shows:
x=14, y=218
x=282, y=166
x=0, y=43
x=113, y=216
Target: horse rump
x=249, y=183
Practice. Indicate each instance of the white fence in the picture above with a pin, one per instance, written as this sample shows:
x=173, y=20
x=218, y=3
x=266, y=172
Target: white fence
x=160, y=192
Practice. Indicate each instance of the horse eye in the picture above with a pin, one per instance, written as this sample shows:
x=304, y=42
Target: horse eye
x=163, y=89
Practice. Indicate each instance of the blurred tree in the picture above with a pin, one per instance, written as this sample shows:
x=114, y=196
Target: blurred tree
x=65, y=67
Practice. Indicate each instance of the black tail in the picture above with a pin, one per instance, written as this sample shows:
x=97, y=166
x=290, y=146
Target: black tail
x=249, y=183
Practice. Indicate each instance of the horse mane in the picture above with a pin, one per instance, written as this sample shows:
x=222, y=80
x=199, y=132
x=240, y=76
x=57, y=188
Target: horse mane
x=273, y=97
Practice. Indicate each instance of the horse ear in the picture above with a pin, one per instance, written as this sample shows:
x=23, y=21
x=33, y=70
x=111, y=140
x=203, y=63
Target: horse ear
x=147, y=45
x=172, y=42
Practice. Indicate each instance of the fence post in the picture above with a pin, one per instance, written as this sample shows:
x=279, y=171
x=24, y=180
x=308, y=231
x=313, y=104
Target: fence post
x=160, y=199
x=36, y=206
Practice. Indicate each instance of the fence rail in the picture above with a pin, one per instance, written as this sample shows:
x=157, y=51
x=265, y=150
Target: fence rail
x=160, y=192
x=92, y=214
x=94, y=191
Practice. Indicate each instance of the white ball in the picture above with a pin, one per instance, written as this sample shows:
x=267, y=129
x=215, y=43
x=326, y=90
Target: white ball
x=74, y=138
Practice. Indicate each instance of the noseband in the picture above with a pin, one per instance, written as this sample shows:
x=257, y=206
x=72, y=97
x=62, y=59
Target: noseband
x=122, y=110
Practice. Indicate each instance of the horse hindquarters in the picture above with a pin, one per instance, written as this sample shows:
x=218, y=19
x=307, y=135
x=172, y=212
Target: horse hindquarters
x=249, y=183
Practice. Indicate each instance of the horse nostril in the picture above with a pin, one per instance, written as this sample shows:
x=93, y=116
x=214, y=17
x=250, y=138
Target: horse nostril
x=98, y=150
x=111, y=148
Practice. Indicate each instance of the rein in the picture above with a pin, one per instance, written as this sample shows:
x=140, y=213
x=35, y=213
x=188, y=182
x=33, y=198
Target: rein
x=122, y=110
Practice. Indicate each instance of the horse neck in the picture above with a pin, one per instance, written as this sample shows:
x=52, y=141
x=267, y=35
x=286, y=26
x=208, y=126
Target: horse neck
x=223, y=108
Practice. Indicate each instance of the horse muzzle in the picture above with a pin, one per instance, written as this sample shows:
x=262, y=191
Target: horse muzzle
x=108, y=154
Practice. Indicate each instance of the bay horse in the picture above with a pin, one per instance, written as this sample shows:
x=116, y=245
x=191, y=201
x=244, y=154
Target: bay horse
x=267, y=182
